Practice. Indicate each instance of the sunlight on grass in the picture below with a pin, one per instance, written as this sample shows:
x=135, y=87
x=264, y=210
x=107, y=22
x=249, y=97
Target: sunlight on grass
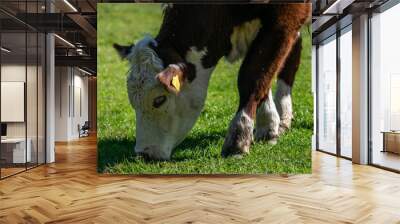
x=200, y=152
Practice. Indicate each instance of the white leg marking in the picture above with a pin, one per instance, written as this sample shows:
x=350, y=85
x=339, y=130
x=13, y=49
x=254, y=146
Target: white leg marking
x=283, y=99
x=267, y=123
x=239, y=136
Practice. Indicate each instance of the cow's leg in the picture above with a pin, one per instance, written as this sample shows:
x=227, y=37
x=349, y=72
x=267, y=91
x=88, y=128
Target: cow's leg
x=267, y=121
x=265, y=58
x=272, y=121
x=283, y=95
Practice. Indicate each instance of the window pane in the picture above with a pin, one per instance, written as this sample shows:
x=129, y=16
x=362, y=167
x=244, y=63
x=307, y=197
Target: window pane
x=327, y=96
x=14, y=148
x=346, y=93
x=386, y=88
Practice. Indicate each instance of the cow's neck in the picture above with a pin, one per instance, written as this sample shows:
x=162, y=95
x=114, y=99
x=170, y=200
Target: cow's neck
x=202, y=60
x=194, y=57
x=195, y=92
x=198, y=87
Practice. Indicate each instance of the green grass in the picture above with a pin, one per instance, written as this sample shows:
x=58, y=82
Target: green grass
x=200, y=152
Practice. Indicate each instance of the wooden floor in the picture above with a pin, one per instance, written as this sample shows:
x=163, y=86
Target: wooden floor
x=70, y=191
x=9, y=171
x=5, y=172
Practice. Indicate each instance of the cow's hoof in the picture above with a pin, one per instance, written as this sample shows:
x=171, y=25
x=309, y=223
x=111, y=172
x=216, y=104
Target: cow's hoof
x=153, y=153
x=266, y=135
x=233, y=152
x=281, y=130
x=273, y=141
x=284, y=126
x=237, y=145
x=239, y=137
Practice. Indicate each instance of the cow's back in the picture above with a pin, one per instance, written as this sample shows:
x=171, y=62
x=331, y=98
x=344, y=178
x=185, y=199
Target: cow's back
x=221, y=30
x=211, y=27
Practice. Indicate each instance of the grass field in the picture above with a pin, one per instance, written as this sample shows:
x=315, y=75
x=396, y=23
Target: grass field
x=200, y=152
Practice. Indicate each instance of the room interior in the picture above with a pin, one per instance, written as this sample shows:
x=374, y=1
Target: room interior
x=385, y=87
x=368, y=29
x=22, y=101
x=356, y=157
x=39, y=71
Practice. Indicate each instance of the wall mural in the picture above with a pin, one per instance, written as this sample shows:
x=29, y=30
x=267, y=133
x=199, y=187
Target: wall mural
x=167, y=104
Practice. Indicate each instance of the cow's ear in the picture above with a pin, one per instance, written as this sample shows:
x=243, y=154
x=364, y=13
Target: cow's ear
x=123, y=51
x=172, y=78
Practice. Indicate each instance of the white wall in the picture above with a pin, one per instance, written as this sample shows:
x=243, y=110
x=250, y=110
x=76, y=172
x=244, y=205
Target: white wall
x=16, y=73
x=81, y=84
x=33, y=126
x=62, y=82
x=10, y=73
x=70, y=83
x=13, y=101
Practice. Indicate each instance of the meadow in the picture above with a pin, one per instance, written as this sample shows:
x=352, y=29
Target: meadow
x=200, y=152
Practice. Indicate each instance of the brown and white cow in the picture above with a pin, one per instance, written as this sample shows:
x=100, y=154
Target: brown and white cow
x=169, y=75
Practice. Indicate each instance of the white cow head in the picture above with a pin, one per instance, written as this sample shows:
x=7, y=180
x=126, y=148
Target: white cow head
x=165, y=103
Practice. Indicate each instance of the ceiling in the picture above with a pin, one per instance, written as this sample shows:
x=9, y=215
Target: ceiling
x=74, y=22
x=332, y=15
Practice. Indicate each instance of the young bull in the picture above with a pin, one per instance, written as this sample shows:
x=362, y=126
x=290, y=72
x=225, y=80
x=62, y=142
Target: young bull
x=169, y=75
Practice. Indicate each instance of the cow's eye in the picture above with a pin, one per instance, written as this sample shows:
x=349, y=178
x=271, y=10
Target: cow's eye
x=159, y=100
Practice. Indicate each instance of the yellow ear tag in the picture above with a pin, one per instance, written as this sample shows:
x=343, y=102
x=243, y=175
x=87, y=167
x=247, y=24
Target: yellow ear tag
x=176, y=83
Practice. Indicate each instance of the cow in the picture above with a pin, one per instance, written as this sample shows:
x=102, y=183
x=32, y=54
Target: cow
x=169, y=74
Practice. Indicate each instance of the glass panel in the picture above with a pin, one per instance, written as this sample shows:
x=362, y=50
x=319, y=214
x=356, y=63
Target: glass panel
x=32, y=96
x=41, y=99
x=13, y=89
x=23, y=89
x=346, y=93
x=327, y=96
x=385, y=114
x=31, y=86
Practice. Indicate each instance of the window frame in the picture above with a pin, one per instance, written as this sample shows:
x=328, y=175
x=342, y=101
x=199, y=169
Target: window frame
x=337, y=35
